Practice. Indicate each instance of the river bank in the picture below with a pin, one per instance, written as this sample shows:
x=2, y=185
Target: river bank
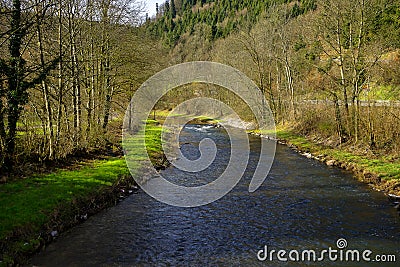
x=35, y=210
x=382, y=173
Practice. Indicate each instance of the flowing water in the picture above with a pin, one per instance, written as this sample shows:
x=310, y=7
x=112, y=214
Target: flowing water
x=302, y=205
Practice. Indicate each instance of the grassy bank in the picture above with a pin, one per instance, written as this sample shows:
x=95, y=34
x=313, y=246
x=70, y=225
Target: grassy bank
x=380, y=171
x=36, y=209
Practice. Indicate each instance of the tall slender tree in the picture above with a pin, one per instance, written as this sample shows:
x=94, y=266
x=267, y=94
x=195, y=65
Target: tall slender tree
x=173, y=9
x=16, y=74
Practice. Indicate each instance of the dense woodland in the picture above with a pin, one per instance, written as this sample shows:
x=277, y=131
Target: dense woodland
x=68, y=68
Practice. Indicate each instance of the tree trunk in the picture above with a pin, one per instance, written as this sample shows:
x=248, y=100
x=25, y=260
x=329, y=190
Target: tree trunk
x=2, y=126
x=371, y=130
x=339, y=44
x=76, y=86
x=60, y=76
x=15, y=94
x=105, y=66
x=338, y=118
x=45, y=91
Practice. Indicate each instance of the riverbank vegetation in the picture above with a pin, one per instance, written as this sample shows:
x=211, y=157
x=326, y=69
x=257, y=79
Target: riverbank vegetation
x=35, y=210
x=382, y=172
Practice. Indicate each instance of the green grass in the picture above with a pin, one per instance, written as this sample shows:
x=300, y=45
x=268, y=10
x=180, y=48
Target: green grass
x=166, y=113
x=162, y=114
x=383, y=167
x=29, y=202
x=382, y=92
x=206, y=119
x=151, y=138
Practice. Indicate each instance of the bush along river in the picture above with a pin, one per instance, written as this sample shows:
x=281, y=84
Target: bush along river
x=302, y=207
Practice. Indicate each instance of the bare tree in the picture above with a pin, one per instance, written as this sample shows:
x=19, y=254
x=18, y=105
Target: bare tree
x=19, y=77
x=343, y=27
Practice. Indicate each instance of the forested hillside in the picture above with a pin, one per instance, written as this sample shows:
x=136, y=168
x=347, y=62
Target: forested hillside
x=218, y=18
x=325, y=66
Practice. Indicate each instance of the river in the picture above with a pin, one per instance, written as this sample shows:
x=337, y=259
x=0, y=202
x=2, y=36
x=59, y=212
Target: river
x=302, y=205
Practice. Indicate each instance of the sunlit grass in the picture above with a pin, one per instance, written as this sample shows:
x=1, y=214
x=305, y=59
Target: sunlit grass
x=29, y=202
x=381, y=92
x=161, y=115
x=153, y=140
x=206, y=119
x=385, y=167
x=167, y=113
x=145, y=142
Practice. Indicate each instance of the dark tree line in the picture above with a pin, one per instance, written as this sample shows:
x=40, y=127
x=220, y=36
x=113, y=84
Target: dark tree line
x=223, y=16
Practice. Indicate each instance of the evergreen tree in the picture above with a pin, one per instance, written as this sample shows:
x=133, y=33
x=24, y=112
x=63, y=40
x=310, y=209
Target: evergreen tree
x=235, y=12
x=173, y=9
x=167, y=8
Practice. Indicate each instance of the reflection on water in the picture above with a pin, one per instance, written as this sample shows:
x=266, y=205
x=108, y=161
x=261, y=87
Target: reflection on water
x=302, y=205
